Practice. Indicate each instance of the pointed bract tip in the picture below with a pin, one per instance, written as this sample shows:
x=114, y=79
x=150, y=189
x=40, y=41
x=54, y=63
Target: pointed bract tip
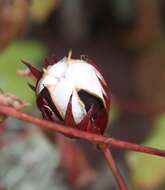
x=52, y=61
x=86, y=120
x=44, y=70
x=69, y=56
x=32, y=87
x=69, y=119
x=34, y=71
x=46, y=63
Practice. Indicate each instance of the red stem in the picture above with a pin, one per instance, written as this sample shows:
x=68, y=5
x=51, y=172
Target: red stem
x=68, y=131
x=112, y=164
x=135, y=147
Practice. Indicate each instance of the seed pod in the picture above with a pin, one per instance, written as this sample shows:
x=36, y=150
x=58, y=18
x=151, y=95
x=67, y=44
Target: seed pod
x=74, y=92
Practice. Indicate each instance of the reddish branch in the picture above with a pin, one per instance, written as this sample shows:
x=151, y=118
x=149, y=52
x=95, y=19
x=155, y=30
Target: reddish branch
x=56, y=127
x=103, y=141
x=112, y=164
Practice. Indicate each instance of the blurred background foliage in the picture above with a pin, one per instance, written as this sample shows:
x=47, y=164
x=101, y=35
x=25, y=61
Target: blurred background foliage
x=148, y=171
x=126, y=39
x=32, y=51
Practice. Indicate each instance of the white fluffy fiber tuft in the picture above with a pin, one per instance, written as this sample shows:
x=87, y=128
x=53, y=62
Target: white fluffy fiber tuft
x=68, y=77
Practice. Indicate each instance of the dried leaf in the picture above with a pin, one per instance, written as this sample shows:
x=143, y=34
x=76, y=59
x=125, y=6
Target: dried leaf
x=12, y=100
x=25, y=72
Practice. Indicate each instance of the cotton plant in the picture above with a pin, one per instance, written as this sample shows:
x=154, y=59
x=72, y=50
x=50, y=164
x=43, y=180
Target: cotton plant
x=73, y=91
x=74, y=100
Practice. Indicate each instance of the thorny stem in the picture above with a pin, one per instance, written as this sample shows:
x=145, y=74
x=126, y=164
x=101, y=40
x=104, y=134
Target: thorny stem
x=112, y=164
x=56, y=127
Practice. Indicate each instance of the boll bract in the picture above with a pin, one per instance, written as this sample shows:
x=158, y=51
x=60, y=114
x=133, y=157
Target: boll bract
x=74, y=92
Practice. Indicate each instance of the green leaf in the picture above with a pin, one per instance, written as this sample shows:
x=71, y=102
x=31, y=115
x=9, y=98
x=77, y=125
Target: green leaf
x=147, y=170
x=10, y=62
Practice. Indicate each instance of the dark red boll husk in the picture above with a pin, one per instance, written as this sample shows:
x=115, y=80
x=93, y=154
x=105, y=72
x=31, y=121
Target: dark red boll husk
x=44, y=103
x=95, y=121
x=98, y=115
x=52, y=61
x=86, y=121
